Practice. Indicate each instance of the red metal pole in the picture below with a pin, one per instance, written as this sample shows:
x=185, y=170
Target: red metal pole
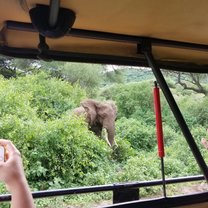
x=159, y=132
x=158, y=117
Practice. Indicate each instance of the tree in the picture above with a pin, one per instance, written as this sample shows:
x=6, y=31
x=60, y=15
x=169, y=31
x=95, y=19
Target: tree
x=25, y=66
x=87, y=75
x=13, y=67
x=191, y=81
x=113, y=74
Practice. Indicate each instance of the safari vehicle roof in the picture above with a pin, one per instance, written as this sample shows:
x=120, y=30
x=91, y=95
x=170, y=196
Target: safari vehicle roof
x=111, y=31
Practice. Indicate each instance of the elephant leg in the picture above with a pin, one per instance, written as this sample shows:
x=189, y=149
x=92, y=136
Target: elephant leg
x=101, y=133
x=97, y=129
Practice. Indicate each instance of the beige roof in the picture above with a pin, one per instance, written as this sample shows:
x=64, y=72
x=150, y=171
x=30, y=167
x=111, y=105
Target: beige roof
x=111, y=31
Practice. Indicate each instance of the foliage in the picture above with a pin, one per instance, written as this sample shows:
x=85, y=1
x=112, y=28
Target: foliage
x=195, y=114
x=190, y=81
x=181, y=159
x=48, y=97
x=137, y=74
x=59, y=151
x=112, y=75
x=144, y=167
x=6, y=70
x=140, y=136
x=132, y=99
x=50, y=147
x=68, y=151
x=3, y=190
x=88, y=76
x=124, y=150
x=169, y=134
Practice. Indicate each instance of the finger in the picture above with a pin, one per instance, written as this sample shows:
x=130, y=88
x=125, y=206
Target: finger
x=8, y=144
x=4, y=142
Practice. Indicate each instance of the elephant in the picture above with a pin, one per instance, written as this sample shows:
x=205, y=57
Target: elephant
x=99, y=116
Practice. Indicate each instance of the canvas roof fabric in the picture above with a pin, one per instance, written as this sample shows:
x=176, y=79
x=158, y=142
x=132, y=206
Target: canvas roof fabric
x=112, y=31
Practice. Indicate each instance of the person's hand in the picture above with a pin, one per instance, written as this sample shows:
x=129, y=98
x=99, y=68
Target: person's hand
x=11, y=171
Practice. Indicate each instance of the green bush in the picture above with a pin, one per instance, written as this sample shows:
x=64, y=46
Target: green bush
x=131, y=98
x=59, y=151
x=63, y=151
x=56, y=149
x=106, y=174
x=124, y=150
x=49, y=97
x=193, y=109
x=180, y=153
x=140, y=136
x=169, y=134
x=135, y=100
x=174, y=167
x=144, y=167
x=62, y=148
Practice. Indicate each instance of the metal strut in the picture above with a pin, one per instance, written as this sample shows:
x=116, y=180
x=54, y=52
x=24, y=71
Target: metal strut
x=159, y=132
x=146, y=49
x=54, y=12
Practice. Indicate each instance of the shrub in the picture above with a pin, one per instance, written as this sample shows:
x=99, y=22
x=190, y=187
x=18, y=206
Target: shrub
x=56, y=149
x=180, y=154
x=169, y=134
x=66, y=150
x=143, y=167
x=130, y=97
x=140, y=136
x=174, y=167
x=50, y=97
x=124, y=150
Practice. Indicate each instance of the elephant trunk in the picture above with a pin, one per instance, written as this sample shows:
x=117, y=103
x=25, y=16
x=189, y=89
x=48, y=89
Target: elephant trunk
x=111, y=136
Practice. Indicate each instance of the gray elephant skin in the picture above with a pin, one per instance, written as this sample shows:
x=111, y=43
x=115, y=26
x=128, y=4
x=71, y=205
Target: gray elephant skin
x=99, y=116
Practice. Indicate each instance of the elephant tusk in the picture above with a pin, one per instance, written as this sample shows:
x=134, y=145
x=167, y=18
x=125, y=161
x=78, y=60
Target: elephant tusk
x=104, y=135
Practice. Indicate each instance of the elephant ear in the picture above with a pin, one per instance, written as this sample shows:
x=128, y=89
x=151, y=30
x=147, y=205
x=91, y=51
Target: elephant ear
x=113, y=106
x=90, y=107
x=106, y=109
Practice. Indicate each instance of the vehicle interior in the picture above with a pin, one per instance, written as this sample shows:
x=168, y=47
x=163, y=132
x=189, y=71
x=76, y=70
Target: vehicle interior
x=158, y=34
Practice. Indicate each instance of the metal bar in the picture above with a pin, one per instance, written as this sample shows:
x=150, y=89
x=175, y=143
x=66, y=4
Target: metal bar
x=54, y=11
x=177, y=201
x=146, y=48
x=159, y=132
x=163, y=176
x=110, y=187
x=99, y=58
x=13, y=25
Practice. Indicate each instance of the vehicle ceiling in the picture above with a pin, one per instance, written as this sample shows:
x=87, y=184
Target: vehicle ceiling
x=112, y=31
